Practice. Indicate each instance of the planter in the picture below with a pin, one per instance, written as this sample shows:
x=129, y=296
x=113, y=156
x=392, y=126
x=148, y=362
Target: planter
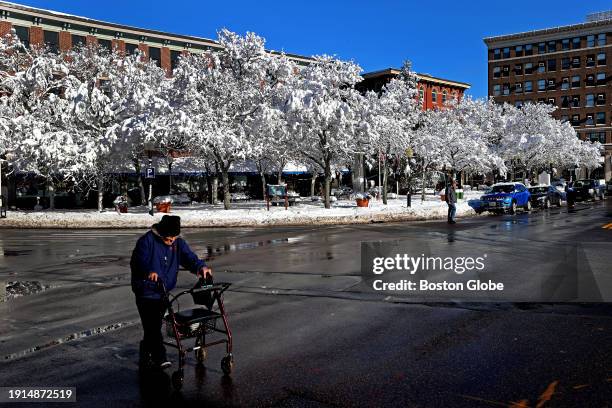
x=163, y=207
x=362, y=202
x=459, y=194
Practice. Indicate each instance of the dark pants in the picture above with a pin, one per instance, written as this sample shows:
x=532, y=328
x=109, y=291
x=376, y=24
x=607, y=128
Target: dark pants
x=151, y=314
x=452, y=210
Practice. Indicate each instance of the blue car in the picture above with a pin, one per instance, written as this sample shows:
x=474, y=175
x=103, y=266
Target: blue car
x=506, y=197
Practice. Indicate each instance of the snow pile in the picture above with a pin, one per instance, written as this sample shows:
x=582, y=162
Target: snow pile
x=251, y=213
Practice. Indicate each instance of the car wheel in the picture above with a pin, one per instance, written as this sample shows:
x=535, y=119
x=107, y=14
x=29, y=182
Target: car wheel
x=527, y=206
x=547, y=204
x=512, y=209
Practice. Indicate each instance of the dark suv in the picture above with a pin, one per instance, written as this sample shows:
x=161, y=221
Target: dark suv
x=589, y=189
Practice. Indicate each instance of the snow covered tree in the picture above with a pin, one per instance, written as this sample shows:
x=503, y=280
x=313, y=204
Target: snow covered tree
x=390, y=119
x=322, y=112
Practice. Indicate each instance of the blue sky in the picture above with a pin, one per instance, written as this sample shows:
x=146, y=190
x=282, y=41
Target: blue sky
x=441, y=38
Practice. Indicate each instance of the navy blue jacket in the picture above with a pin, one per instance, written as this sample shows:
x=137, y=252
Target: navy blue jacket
x=152, y=255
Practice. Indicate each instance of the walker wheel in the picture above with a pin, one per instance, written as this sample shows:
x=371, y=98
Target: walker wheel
x=201, y=354
x=227, y=364
x=177, y=380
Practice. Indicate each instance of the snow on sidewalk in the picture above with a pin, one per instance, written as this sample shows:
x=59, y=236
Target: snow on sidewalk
x=248, y=214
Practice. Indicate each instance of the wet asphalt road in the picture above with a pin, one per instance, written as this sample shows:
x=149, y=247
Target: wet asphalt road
x=306, y=335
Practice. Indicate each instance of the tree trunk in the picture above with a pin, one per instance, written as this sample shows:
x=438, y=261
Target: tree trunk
x=214, y=189
x=143, y=195
x=101, y=192
x=279, y=177
x=263, y=184
x=328, y=175
x=226, y=192
x=423, y=184
x=51, y=188
x=385, y=180
x=313, y=183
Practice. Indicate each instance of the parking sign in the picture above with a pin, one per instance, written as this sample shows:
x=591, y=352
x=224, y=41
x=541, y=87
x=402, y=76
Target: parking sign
x=150, y=173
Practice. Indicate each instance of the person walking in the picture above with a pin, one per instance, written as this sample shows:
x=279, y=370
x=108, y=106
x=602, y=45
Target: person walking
x=155, y=260
x=451, y=199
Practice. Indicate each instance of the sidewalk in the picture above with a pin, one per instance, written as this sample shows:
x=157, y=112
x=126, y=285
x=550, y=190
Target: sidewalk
x=248, y=214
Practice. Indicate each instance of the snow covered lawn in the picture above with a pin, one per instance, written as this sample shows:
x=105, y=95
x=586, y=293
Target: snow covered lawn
x=252, y=213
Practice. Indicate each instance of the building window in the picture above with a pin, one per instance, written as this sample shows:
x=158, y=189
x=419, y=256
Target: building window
x=575, y=43
x=130, y=48
x=551, y=85
x=589, y=121
x=155, y=55
x=601, y=39
x=528, y=68
x=434, y=96
x=421, y=95
x=174, y=58
x=590, y=101
x=496, y=54
x=550, y=101
x=496, y=72
x=444, y=95
x=506, y=89
x=565, y=63
x=496, y=90
x=518, y=69
x=600, y=118
x=541, y=67
x=575, y=101
x=565, y=101
x=596, y=137
x=105, y=44
x=601, y=78
x=23, y=33
x=518, y=104
x=541, y=85
x=575, y=120
x=541, y=48
x=541, y=100
x=528, y=49
x=601, y=99
x=576, y=62
x=518, y=87
x=565, y=84
x=576, y=81
x=552, y=65
x=506, y=70
x=552, y=46
x=78, y=40
x=51, y=40
x=528, y=86
x=590, y=80
x=518, y=51
x=601, y=58
x=564, y=118
x=506, y=52
x=565, y=44
x=590, y=60
x=590, y=40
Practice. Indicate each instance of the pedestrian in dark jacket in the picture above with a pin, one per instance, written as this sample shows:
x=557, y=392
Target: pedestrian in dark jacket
x=451, y=200
x=156, y=259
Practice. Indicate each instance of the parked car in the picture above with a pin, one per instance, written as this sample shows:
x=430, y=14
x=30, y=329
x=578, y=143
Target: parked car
x=543, y=196
x=589, y=189
x=506, y=197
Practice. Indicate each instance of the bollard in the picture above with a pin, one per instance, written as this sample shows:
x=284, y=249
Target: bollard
x=408, y=199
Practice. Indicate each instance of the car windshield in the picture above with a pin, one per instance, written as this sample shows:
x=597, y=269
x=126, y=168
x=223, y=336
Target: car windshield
x=538, y=189
x=503, y=189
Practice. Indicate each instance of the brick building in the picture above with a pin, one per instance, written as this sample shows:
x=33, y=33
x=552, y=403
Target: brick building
x=61, y=31
x=433, y=92
x=569, y=67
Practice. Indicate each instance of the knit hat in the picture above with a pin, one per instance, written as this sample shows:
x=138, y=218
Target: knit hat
x=169, y=226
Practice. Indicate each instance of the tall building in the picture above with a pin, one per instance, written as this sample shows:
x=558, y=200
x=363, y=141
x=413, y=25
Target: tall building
x=433, y=92
x=569, y=67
